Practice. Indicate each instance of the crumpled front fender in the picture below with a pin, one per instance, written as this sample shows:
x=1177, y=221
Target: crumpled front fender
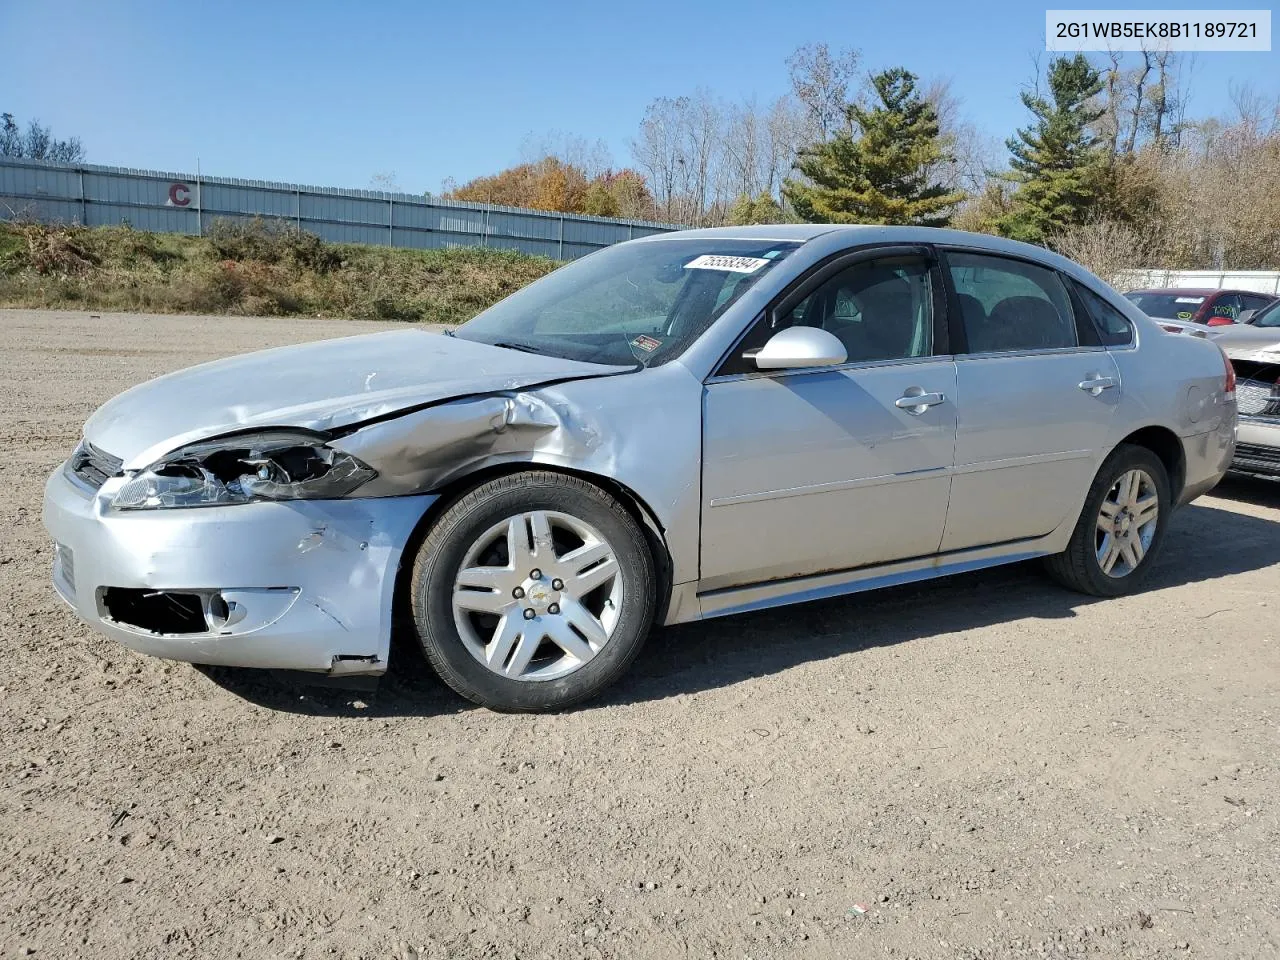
x=643, y=432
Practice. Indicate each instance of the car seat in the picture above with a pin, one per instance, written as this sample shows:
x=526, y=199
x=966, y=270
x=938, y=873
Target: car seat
x=1021, y=323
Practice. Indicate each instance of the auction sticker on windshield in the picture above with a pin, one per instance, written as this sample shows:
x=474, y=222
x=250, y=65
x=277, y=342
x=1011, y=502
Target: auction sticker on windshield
x=646, y=343
x=712, y=261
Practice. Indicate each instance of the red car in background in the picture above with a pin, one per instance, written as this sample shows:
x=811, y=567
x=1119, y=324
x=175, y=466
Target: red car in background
x=1212, y=307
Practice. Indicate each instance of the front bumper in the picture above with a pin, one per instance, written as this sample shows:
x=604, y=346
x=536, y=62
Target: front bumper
x=314, y=578
x=1258, y=446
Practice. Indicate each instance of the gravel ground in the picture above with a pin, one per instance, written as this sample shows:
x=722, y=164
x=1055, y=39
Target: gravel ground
x=982, y=767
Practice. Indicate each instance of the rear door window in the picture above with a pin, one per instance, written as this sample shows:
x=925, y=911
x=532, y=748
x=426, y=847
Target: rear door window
x=1008, y=305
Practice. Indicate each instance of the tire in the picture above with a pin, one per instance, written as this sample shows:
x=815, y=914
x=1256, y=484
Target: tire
x=1100, y=567
x=557, y=597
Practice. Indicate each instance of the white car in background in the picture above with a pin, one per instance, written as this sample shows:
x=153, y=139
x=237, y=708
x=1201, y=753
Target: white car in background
x=1253, y=348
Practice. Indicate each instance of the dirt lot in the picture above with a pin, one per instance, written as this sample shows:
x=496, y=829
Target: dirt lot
x=989, y=766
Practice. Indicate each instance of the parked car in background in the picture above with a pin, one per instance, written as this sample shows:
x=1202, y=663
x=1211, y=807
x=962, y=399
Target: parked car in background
x=683, y=426
x=1254, y=351
x=1198, y=305
x=1187, y=327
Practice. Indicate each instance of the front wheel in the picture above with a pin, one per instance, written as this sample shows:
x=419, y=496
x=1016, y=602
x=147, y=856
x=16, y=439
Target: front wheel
x=1121, y=526
x=533, y=592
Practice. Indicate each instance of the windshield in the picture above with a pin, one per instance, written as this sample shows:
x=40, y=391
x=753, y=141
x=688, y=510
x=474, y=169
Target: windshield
x=636, y=302
x=1168, y=306
x=1267, y=316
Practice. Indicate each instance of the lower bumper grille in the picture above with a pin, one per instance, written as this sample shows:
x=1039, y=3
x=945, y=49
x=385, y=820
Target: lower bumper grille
x=156, y=611
x=1253, y=456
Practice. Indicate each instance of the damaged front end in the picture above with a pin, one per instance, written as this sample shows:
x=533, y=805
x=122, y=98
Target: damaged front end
x=1258, y=400
x=427, y=449
x=242, y=468
x=280, y=546
x=301, y=584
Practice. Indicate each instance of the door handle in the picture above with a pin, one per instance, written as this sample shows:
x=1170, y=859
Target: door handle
x=1095, y=384
x=918, y=403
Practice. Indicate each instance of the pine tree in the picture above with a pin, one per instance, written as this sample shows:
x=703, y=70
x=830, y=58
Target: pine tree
x=882, y=174
x=1057, y=162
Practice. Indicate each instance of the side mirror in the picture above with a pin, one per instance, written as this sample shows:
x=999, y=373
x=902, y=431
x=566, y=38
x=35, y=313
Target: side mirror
x=799, y=347
x=1245, y=316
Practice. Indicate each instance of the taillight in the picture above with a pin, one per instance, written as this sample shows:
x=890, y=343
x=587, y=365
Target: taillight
x=1220, y=322
x=1229, y=381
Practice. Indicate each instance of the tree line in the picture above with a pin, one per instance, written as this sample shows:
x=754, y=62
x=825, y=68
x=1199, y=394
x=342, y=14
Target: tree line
x=1108, y=168
x=36, y=142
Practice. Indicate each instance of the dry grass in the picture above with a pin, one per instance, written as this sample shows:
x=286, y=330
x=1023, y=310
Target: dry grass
x=261, y=268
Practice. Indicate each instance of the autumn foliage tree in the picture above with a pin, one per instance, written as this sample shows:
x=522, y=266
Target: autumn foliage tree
x=554, y=184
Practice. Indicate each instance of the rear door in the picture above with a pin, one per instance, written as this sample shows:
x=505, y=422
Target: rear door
x=1036, y=404
x=829, y=468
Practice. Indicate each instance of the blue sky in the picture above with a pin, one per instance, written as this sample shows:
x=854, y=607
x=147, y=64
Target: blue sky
x=332, y=93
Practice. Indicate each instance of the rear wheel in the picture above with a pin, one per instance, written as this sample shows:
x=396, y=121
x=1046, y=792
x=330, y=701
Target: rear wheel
x=533, y=592
x=1121, y=526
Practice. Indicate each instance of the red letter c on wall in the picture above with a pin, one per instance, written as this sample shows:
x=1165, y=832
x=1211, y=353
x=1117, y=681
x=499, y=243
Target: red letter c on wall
x=179, y=195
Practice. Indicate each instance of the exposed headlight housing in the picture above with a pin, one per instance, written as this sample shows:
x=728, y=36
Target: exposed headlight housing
x=272, y=465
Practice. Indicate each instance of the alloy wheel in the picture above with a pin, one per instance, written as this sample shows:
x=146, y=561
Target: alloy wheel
x=537, y=596
x=1127, y=521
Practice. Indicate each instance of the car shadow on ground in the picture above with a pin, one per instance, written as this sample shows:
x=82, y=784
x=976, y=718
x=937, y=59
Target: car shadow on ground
x=1259, y=491
x=1203, y=543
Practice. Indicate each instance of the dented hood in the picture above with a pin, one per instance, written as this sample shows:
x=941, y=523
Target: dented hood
x=319, y=386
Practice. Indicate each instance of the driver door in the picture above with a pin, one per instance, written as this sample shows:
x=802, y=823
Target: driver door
x=829, y=468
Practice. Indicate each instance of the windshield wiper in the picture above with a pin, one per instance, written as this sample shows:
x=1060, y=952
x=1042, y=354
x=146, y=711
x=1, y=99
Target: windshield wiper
x=522, y=347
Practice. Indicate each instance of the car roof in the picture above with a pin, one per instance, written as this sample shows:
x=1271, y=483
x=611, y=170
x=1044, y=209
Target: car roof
x=1199, y=291
x=838, y=235
x=803, y=232
x=1182, y=291
x=799, y=232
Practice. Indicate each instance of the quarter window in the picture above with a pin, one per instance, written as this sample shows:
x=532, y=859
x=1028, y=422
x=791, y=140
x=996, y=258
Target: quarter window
x=1011, y=305
x=1113, y=328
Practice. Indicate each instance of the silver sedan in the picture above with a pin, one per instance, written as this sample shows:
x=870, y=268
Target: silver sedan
x=685, y=426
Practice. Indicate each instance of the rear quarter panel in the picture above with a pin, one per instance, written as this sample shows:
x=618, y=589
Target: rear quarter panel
x=1167, y=380
x=1171, y=381
x=1178, y=382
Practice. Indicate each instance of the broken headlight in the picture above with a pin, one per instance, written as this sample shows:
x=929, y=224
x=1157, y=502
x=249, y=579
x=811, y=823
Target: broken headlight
x=274, y=465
